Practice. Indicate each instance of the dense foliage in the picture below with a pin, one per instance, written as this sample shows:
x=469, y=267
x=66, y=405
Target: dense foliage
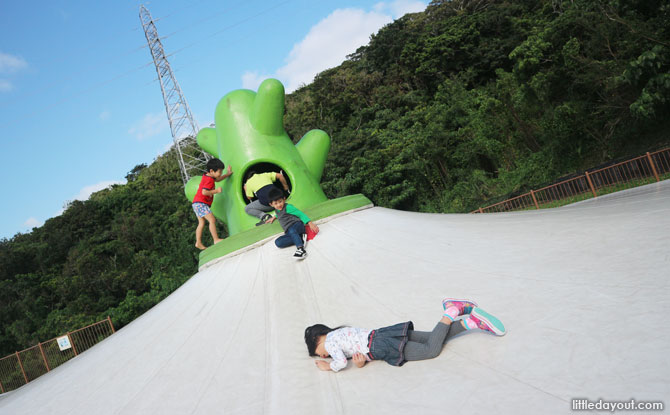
x=443, y=111
x=472, y=100
x=116, y=254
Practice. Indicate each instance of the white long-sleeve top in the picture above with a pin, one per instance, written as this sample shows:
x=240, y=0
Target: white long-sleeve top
x=343, y=343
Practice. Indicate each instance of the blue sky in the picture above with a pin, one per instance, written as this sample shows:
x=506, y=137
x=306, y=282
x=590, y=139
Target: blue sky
x=80, y=104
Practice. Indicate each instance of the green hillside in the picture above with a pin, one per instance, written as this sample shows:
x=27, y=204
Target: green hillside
x=117, y=254
x=443, y=111
x=470, y=100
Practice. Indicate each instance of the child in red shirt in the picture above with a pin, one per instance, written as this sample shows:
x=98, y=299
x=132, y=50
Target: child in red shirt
x=204, y=197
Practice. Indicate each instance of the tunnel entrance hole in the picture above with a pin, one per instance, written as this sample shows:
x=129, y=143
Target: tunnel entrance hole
x=264, y=168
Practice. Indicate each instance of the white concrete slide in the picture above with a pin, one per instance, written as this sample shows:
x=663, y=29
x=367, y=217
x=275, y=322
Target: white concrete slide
x=582, y=290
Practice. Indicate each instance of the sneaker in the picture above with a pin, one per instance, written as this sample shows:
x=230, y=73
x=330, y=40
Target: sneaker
x=486, y=321
x=264, y=219
x=300, y=253
x=463, y=306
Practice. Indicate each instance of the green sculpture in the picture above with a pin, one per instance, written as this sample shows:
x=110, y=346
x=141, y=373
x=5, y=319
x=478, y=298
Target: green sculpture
x=250, y=135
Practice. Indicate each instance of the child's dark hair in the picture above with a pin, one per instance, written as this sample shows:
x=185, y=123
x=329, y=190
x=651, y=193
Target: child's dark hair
x=312, y=334
x=275, y=194
x=214, y=164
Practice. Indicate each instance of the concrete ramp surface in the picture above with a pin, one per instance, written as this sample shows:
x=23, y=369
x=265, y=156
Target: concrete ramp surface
x=582, y=290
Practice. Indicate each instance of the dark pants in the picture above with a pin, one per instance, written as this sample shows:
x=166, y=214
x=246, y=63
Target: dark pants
x=427, y=345
x=293, y=236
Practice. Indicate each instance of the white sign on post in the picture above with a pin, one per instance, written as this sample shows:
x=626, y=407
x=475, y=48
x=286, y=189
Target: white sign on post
x=64, y=343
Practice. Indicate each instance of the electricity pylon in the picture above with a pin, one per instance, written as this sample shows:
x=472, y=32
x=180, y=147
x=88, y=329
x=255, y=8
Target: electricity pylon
x=192, y=159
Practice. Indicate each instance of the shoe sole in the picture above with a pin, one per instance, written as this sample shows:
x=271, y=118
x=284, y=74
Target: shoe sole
x=462, y=300
x=496, y=325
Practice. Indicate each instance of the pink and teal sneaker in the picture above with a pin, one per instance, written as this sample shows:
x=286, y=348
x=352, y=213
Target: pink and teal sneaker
x=485, y=321
x=463, y=306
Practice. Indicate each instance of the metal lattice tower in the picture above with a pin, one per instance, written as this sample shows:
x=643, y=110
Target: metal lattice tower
x=192, y=159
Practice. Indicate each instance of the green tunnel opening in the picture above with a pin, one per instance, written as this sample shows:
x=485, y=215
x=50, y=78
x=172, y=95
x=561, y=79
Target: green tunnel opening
x=265, y=167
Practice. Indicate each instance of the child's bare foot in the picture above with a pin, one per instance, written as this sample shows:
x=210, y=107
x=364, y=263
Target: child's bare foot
x=200, y=246
x=216, y=241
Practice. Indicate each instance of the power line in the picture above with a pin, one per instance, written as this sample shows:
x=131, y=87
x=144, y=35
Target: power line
x=94, y=47
x=73, y=75
x=231, y=26
x=210, y=17
x=68, y=97
x=115, y=59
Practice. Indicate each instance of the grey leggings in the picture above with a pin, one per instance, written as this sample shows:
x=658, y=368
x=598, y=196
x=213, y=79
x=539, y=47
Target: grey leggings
x=428, y=344
x=256, y=208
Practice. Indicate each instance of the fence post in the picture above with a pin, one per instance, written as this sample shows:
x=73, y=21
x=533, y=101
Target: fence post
x=653, y=166
x=74, y=349
x=2, y=388
x=532, y=193
x=44, y=357
x=109, y=320
x=480, y=210
x=588, y=179
x=18, y=357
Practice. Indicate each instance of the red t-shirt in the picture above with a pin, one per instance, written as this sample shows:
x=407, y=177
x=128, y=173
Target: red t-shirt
x=205, y=183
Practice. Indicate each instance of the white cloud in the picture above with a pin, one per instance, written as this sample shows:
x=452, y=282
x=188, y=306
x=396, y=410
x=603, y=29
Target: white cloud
x=32, y=223
x=64, y=15
x=165, y=149
x=149, y=126
x=10, y=63
x=5, y=85
x=400, y=8
x=83, y=195
x=328, y=43
x=251, y=80
x=104, y=115
x=87, y=191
